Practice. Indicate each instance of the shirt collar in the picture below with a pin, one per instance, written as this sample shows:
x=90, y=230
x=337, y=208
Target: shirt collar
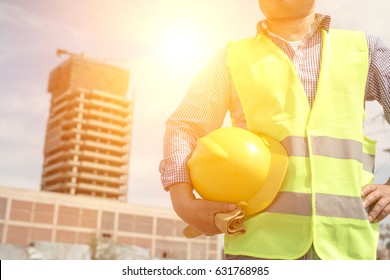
x=321, y=22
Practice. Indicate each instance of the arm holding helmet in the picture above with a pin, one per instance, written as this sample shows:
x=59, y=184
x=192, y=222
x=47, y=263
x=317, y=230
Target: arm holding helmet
x=196, y=212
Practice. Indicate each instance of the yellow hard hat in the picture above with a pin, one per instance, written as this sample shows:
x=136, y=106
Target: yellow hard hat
x=235, y=165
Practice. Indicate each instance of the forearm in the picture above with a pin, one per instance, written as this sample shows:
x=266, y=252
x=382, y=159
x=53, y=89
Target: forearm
x=198, y=213
x=181, y=196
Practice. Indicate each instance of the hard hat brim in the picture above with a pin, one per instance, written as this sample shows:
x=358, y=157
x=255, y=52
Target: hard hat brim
x=270, y=188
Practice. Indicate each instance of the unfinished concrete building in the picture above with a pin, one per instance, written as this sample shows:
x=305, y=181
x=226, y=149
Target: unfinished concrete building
x=88, y=131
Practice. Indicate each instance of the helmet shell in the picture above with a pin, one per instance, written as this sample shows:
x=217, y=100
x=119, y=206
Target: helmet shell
x=234, y=165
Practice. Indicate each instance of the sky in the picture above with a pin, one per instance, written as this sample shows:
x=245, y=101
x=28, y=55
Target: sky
x=165, y=43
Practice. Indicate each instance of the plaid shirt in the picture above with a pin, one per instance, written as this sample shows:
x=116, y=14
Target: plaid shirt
x=212, y=95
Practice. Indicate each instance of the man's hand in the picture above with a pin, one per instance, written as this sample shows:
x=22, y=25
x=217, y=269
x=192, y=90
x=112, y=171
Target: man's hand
x=376, y=197
x=198, y=213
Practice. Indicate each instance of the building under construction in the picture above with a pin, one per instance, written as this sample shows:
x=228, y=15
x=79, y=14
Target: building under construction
x=88, y=131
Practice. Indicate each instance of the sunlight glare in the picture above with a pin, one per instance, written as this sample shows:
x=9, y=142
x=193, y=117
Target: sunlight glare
x=181, y=45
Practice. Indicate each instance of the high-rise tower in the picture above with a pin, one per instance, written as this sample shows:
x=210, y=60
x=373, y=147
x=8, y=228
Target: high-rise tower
x=88, y=131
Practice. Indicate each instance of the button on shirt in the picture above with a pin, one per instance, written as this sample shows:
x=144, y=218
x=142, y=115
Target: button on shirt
x=213, y=94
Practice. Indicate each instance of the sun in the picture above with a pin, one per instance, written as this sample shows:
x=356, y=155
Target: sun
x=181, y=44
x=179, y=47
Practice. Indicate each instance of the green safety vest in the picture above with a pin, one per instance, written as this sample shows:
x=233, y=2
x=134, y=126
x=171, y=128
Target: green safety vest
x=330, y=158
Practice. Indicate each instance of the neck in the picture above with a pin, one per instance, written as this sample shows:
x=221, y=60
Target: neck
x=291, y=29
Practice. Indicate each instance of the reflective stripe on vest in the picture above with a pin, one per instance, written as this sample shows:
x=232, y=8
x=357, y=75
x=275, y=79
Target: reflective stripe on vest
x=300, y=204
x=330, y=147
x=330, y=159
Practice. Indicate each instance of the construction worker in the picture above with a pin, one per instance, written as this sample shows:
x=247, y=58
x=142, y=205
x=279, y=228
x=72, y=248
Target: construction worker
x=305, y=85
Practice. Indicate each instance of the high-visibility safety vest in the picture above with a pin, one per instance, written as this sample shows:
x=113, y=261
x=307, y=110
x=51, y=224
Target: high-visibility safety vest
x=330, y=159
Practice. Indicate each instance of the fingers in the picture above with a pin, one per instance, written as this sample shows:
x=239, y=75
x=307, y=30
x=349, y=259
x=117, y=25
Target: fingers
x=367, y=189
x=383, y=214
x=207, y=211
x=377, y=200
x=219, y=207
x=379, y=211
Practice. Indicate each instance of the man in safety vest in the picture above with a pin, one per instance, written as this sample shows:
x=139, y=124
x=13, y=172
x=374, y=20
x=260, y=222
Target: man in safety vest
x=303, y=84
